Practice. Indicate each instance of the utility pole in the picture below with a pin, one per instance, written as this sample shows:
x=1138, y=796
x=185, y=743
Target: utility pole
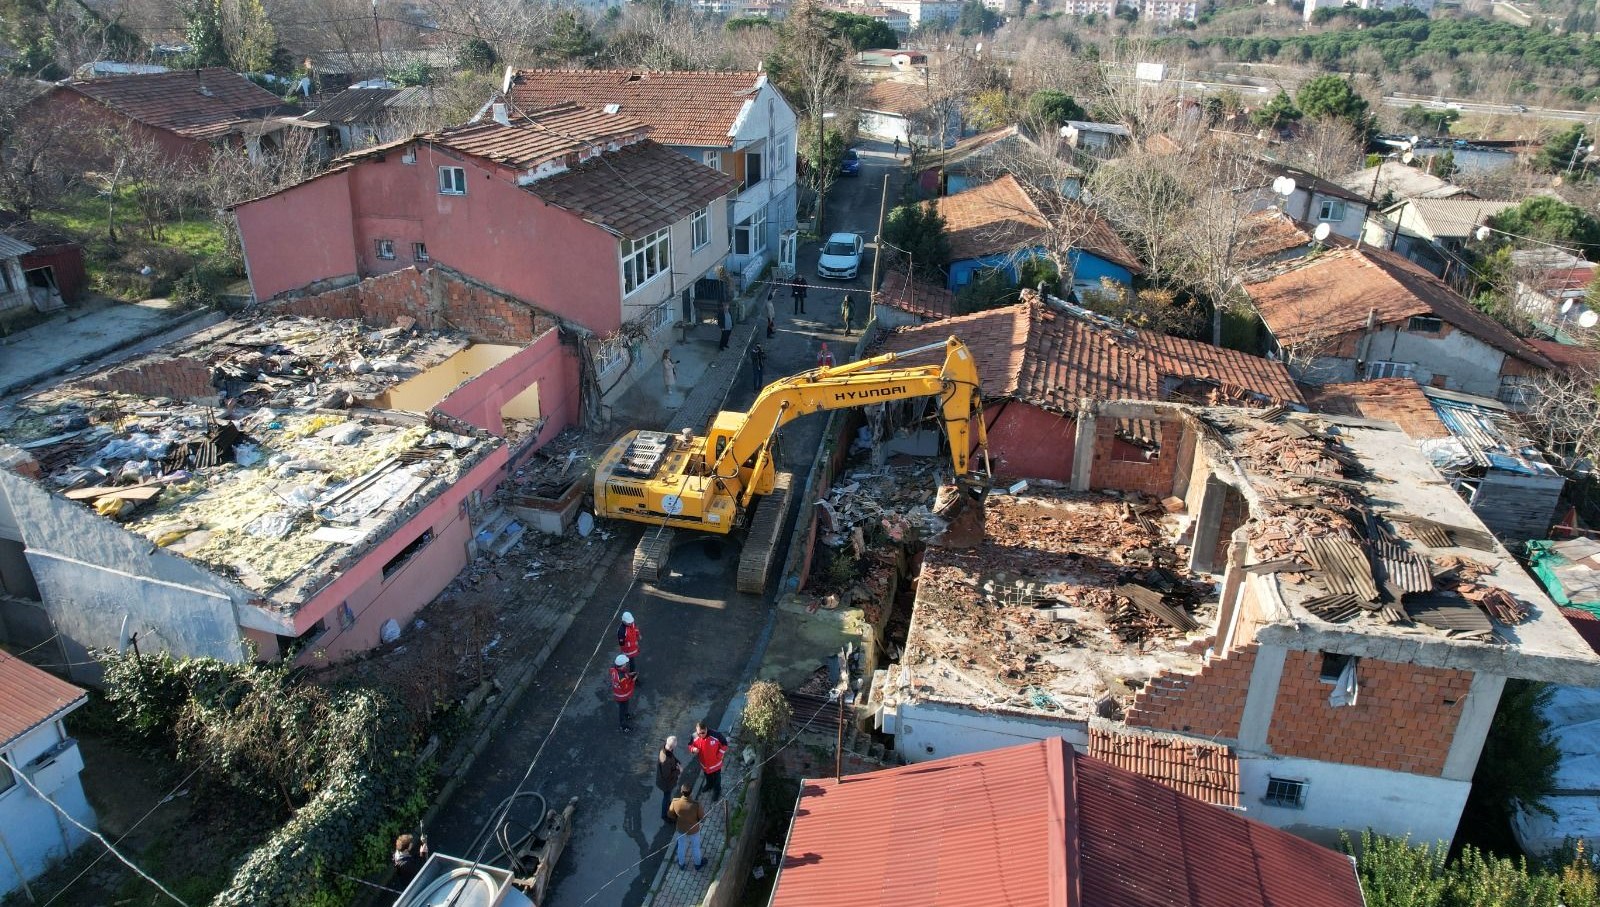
x=377, y=34
x=877, y=243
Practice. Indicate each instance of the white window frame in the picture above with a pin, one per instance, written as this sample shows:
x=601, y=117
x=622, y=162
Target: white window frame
x=609, y=356
x=700, y=229
x=662, y=316
x=452, y=181
x=782, y=157
x=385, y=249
x=1331, y=210
x=419, y=252
x=756, y=226
x=1385, y=369
x=643, y=260
x=714, y=160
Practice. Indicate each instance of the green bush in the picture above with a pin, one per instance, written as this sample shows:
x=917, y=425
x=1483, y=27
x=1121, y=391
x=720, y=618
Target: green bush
x=195, y=289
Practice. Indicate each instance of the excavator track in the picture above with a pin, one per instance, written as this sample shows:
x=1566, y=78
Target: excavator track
x=761, y=540
x=650, y=557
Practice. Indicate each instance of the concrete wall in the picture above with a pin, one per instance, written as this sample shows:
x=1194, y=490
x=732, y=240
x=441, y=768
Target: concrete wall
x=33, y=836
x=932, y=730
x=1451, y=359
x=373, y=598
x=93, y=575
x=497, y=233
x=545, y=366
x=1354, y=798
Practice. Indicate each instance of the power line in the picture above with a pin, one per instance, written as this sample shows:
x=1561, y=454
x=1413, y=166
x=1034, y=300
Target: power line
x=5, y=759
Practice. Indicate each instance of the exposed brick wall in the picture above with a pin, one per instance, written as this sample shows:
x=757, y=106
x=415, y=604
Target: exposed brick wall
x=1235, y=513
x=1121, y=466
x=437, y=299
x=1403, y=720
x=1207, y=704
x=180, y=379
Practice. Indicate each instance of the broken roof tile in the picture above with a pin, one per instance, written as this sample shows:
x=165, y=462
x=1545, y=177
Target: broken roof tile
x=683, y=108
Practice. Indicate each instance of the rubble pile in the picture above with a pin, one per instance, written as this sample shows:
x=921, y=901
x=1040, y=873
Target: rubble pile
x=264, y=470
x=553, y=467
x=894, y=500
x=1058, y=571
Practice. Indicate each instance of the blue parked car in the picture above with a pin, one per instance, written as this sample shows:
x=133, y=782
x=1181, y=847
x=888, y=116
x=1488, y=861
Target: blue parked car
x=851, y=164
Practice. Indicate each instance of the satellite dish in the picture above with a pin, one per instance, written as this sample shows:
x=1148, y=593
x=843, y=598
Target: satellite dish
x=1566, y=307
x=1322, y=231
x=1288, y=187
x=1482, y=233
x=1588, y=319
x=1407, y=158
x=979, y=48
x=1415, y=139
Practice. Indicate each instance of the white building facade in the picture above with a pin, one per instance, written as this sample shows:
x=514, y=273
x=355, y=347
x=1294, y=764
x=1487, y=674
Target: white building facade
x=40, y=761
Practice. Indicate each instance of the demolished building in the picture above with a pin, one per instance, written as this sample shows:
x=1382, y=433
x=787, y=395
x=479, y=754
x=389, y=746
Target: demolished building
x=1306, y=592
x=288, y=484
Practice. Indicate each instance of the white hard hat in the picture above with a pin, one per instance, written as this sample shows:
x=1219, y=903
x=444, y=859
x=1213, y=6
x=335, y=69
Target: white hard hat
x=622, y=661
x=627, y=617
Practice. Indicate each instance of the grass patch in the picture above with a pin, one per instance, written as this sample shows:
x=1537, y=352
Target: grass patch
x=192, y=241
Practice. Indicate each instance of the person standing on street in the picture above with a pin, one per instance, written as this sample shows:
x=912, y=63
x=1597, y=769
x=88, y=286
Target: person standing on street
x=824, y=356
x=622, y=679
x=799, y=292
x=709, y=747
x=688, y=813
x=628, y=642
x=772, y=316
x=758, y=366
x=897, y=146
x=669, y=373
x=725, y=324
x=845, y=310
x=668, y=771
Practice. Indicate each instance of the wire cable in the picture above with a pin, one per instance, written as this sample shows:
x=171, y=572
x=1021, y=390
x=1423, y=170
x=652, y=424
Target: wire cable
x=5, y=759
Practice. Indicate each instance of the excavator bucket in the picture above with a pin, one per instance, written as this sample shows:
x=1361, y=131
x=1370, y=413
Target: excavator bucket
x=961, y=506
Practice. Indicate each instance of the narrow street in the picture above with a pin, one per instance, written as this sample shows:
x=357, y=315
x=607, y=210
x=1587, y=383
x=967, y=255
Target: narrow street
x=699, y=637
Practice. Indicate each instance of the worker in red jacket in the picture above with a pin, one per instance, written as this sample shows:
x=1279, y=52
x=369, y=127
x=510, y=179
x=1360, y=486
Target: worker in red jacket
x=622, y=680
x=709, y=747
x=628, y=641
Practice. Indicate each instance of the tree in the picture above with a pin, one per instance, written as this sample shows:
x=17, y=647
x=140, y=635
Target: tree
x=865, y=32
x=1560, y=153
x=1326, y=147
x=236, y=34
x=918, y=229
x=1050, y=108
x=1543, y=218
x=1519, y=759
x=990, y=288
x=1277, y=112
x=477, y=55
x=35, y=150
x=571, y=38
x=812, y=69
x=1332, y=96
x=976, y=19
x=766, y=714
x=1428, y=121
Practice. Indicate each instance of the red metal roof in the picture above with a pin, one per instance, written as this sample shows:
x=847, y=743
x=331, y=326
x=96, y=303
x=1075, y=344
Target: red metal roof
x=1043, y=826
x=29, y=697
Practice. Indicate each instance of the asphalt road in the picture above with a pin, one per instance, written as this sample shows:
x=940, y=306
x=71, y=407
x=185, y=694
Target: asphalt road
x=698, y=638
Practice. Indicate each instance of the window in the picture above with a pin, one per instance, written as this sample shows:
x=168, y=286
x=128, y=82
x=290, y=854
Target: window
x=1331, y=210
x=6, y=278
x=752, y=168
x=750, y=237
x=1285, y=792
x=1388, y=370
x=609, y=357
x=290, y=646
x=419, y=251
x=386, y=248
x=700, y=229
x=406, y=553
x=1516, y=390
x=409, y=156
x=1333, y=664
x=714, y=160
x=643, y=259
x=782, y=158
x=1425, y=324
x=452, y=181
x=661, y=316
x=6, y=780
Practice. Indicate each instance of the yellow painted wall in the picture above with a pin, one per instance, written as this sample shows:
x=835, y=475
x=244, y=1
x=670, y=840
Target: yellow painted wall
x=422, y=393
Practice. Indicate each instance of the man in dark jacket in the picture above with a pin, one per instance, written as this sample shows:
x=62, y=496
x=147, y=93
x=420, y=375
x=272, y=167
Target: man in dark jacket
x=668, y=770
x=724, y=324
x=799, y=293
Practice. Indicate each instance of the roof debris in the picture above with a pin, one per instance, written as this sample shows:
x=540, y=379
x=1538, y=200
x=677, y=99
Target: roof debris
x=248, y=448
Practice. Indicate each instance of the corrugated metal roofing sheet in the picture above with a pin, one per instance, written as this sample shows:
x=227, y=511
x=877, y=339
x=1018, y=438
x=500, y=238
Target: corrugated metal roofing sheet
x=1042, y=826
x=29, y=697
x=12, y=248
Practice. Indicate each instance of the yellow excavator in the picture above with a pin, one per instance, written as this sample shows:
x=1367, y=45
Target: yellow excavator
x=714, y=484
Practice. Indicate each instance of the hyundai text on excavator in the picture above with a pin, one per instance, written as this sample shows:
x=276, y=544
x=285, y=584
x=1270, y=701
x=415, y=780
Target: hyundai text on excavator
x=727, y=481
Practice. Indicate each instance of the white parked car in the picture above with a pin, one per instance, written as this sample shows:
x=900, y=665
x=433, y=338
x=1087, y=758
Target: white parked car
x=841, y=257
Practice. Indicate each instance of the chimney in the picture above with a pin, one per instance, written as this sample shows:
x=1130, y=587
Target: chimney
x=500, y=115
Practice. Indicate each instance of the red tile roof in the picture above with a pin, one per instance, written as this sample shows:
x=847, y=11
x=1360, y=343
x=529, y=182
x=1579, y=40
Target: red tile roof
x=541, y=136
x=636, y=190
x=891, y=96
x=1039, y=825
x=1204, y=771
x=1051, y=358
x=916, y=295
x=204, y=104
x=1397, y=400
x=1326, y=296
x=29, y=697
x=1587, y=625
x=1571, y=357
x=685, y=108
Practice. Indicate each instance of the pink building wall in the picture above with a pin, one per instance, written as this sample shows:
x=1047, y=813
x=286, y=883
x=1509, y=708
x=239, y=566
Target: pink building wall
x=545, y=362
x=496, y=233
x=376, y=599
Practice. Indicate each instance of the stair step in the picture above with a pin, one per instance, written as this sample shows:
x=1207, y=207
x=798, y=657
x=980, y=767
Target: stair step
x=509, y=538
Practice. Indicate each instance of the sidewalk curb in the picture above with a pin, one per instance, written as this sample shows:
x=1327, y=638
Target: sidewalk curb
x=491, y=719
x=112, y=346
